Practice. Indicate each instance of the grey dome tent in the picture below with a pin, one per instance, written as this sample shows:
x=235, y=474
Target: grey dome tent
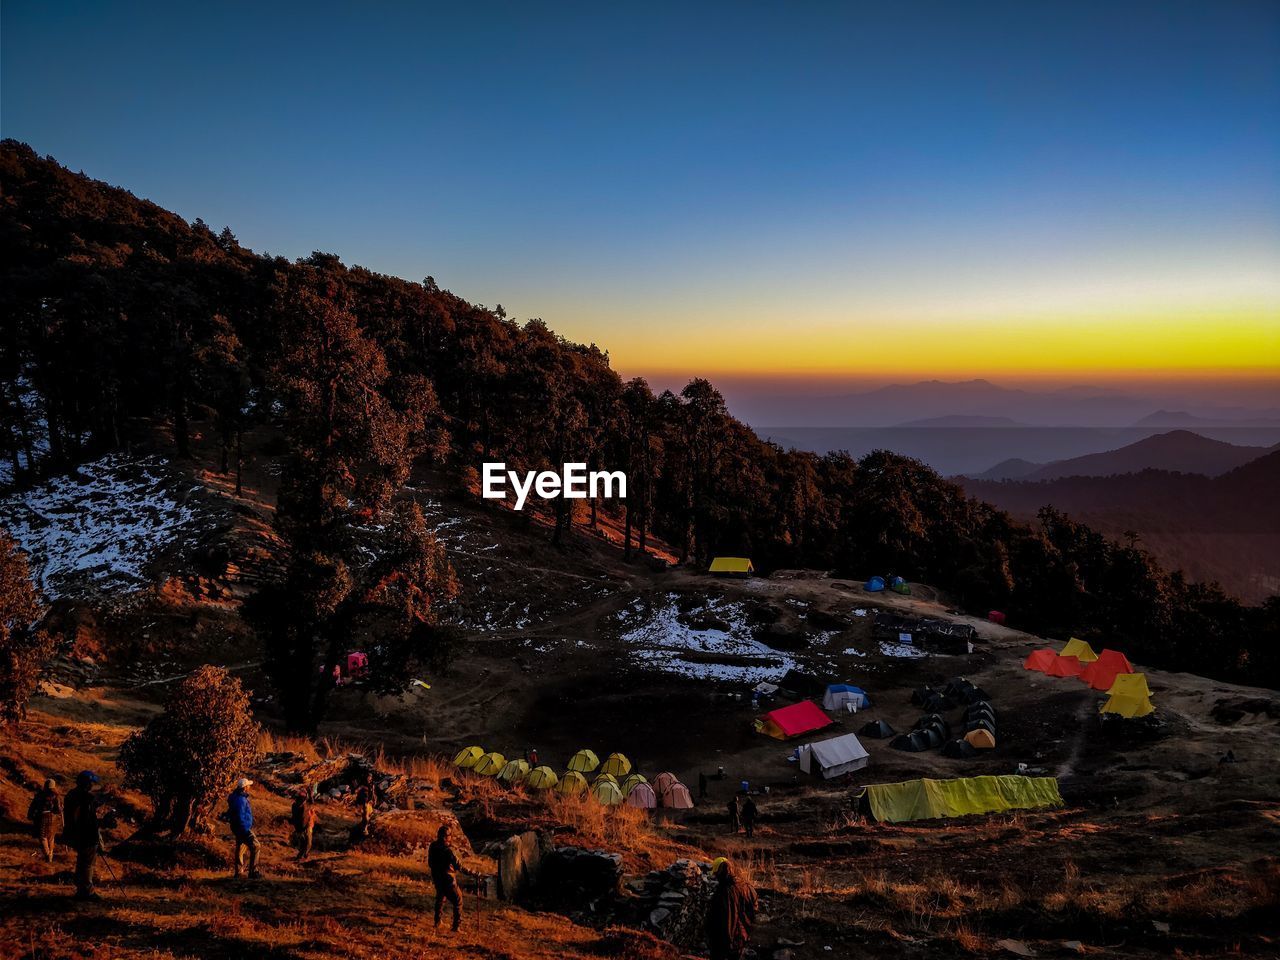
x=960, y=749
x=877, y=730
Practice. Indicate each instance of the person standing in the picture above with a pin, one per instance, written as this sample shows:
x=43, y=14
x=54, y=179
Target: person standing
x=749, y=812
x=303, y=817
x=240, y=816
x=444, y=866
x=83, y=832
x=702, y=785
x=45, y=814
x=366, y=797
x=731, y=914
x=735, y=821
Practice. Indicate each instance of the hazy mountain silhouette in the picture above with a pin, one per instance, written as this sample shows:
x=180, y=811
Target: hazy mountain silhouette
x=1179, y=451
x=1015, y=468
x=1181, y=418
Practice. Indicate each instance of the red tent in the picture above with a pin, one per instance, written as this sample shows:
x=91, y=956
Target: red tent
x=995, y=616
x=1102, y=672
x=1062, y=666
x=1039, y=660
x=794, y=720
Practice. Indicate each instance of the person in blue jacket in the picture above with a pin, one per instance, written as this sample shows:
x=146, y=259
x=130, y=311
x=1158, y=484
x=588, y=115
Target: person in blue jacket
x=240, y=816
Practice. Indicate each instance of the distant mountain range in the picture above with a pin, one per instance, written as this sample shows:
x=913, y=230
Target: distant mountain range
x=1224, y=528
x=1179, y=451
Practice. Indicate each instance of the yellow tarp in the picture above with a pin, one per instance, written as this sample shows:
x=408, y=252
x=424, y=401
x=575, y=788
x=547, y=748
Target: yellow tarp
x=732, y=565
x=1080, y=650
x=929, y=799
x=1126, y=706
x=1130, y=685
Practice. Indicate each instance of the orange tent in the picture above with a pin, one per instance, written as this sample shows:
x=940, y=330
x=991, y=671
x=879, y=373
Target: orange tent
x=1064, y=667
x=1039, y=660
x=1101, y=674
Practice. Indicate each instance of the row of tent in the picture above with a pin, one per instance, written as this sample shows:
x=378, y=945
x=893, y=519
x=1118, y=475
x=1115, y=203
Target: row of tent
x=933, y=730
x=1110, y=671
x=878, y=585
x=615, y=783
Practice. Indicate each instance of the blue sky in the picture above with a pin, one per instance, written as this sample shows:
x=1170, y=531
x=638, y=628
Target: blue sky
x=723, y=187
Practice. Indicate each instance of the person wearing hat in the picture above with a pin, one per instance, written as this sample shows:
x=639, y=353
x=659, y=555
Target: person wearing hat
x=731, y=913
x=45, y=814
x=240, y=816
x=83, y=833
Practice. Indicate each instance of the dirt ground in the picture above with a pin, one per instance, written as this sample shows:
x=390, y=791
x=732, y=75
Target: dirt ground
x=1160, y=849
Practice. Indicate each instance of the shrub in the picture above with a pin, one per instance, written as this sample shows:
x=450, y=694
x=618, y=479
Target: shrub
x=187, y=757
x=25, y=649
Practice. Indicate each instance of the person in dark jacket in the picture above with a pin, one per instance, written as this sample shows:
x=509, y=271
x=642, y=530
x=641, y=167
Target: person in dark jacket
x=83, y=833
x=749, y=812
x=366, y=798
x=731, y=914
x=45, y=814
x=735, y=821
x=240, y=816
x=444, y=866
x=303, y=817
x=702, y=785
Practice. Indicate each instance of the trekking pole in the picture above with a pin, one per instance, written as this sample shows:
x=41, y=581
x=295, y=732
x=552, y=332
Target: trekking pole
x=111, y=870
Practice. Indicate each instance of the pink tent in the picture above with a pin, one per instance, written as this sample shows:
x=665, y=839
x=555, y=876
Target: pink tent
x=677, y=797
x=642, y=795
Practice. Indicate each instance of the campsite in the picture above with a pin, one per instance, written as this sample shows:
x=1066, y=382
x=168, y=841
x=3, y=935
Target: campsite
x=653, y=677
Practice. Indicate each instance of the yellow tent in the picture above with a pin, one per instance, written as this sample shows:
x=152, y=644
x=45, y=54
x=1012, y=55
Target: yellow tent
x=1080, y=650
x=732, y=566
x=616, y=764
x=572, y=784
x=584, y=761
x=541, y=778
x=489, y=765
x=981, y=739
x=1130, y=685
x=515, y=771
x=467, y=757
x=631, y=782
x=928, y=799
x=605, y=789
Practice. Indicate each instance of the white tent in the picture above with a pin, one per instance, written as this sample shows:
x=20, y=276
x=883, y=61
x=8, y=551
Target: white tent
x=834, y=757
x=843, y=698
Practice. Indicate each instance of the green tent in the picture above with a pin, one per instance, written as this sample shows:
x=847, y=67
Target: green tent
x=930, y=799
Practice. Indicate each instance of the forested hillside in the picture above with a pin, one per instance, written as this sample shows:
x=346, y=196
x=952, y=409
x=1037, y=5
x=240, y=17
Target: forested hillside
x=118, y=311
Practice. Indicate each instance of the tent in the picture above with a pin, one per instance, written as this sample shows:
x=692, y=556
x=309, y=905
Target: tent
x=676, y=797
x=489, y=765
x=616, y=764
x=1101, y=674
x=898, y=585
x=980, y=723
x=834, y=757
x=466, y=757
x=631, y=782
x=995, y=616
x=662, y=781
x=929, y=799
x=605, y=789
x=1080, y=650
x=541, y=778
x=1062, y=666
x=641, y=795
x=839, y=694
x=572, y=784
x=981, y=739
x=515, y=771
x=960, y=749
x=584, y=761
x=792, y=721
x=915, y=742
x=1129, y=696
x=874, y=585
x=1039, y=660
x=877, y=730
x=732, y=567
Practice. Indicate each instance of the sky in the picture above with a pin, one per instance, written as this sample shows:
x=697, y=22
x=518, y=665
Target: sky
x=1084, y=192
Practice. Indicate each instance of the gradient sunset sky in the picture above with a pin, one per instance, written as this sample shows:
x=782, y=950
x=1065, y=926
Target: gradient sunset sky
x=1079, y=192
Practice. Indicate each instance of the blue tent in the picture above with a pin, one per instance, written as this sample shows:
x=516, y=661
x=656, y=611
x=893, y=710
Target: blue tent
x=838, y=694
x=875, y=585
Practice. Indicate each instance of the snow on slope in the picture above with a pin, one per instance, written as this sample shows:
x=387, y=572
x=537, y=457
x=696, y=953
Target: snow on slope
x=662, y=638
x=100, y=528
